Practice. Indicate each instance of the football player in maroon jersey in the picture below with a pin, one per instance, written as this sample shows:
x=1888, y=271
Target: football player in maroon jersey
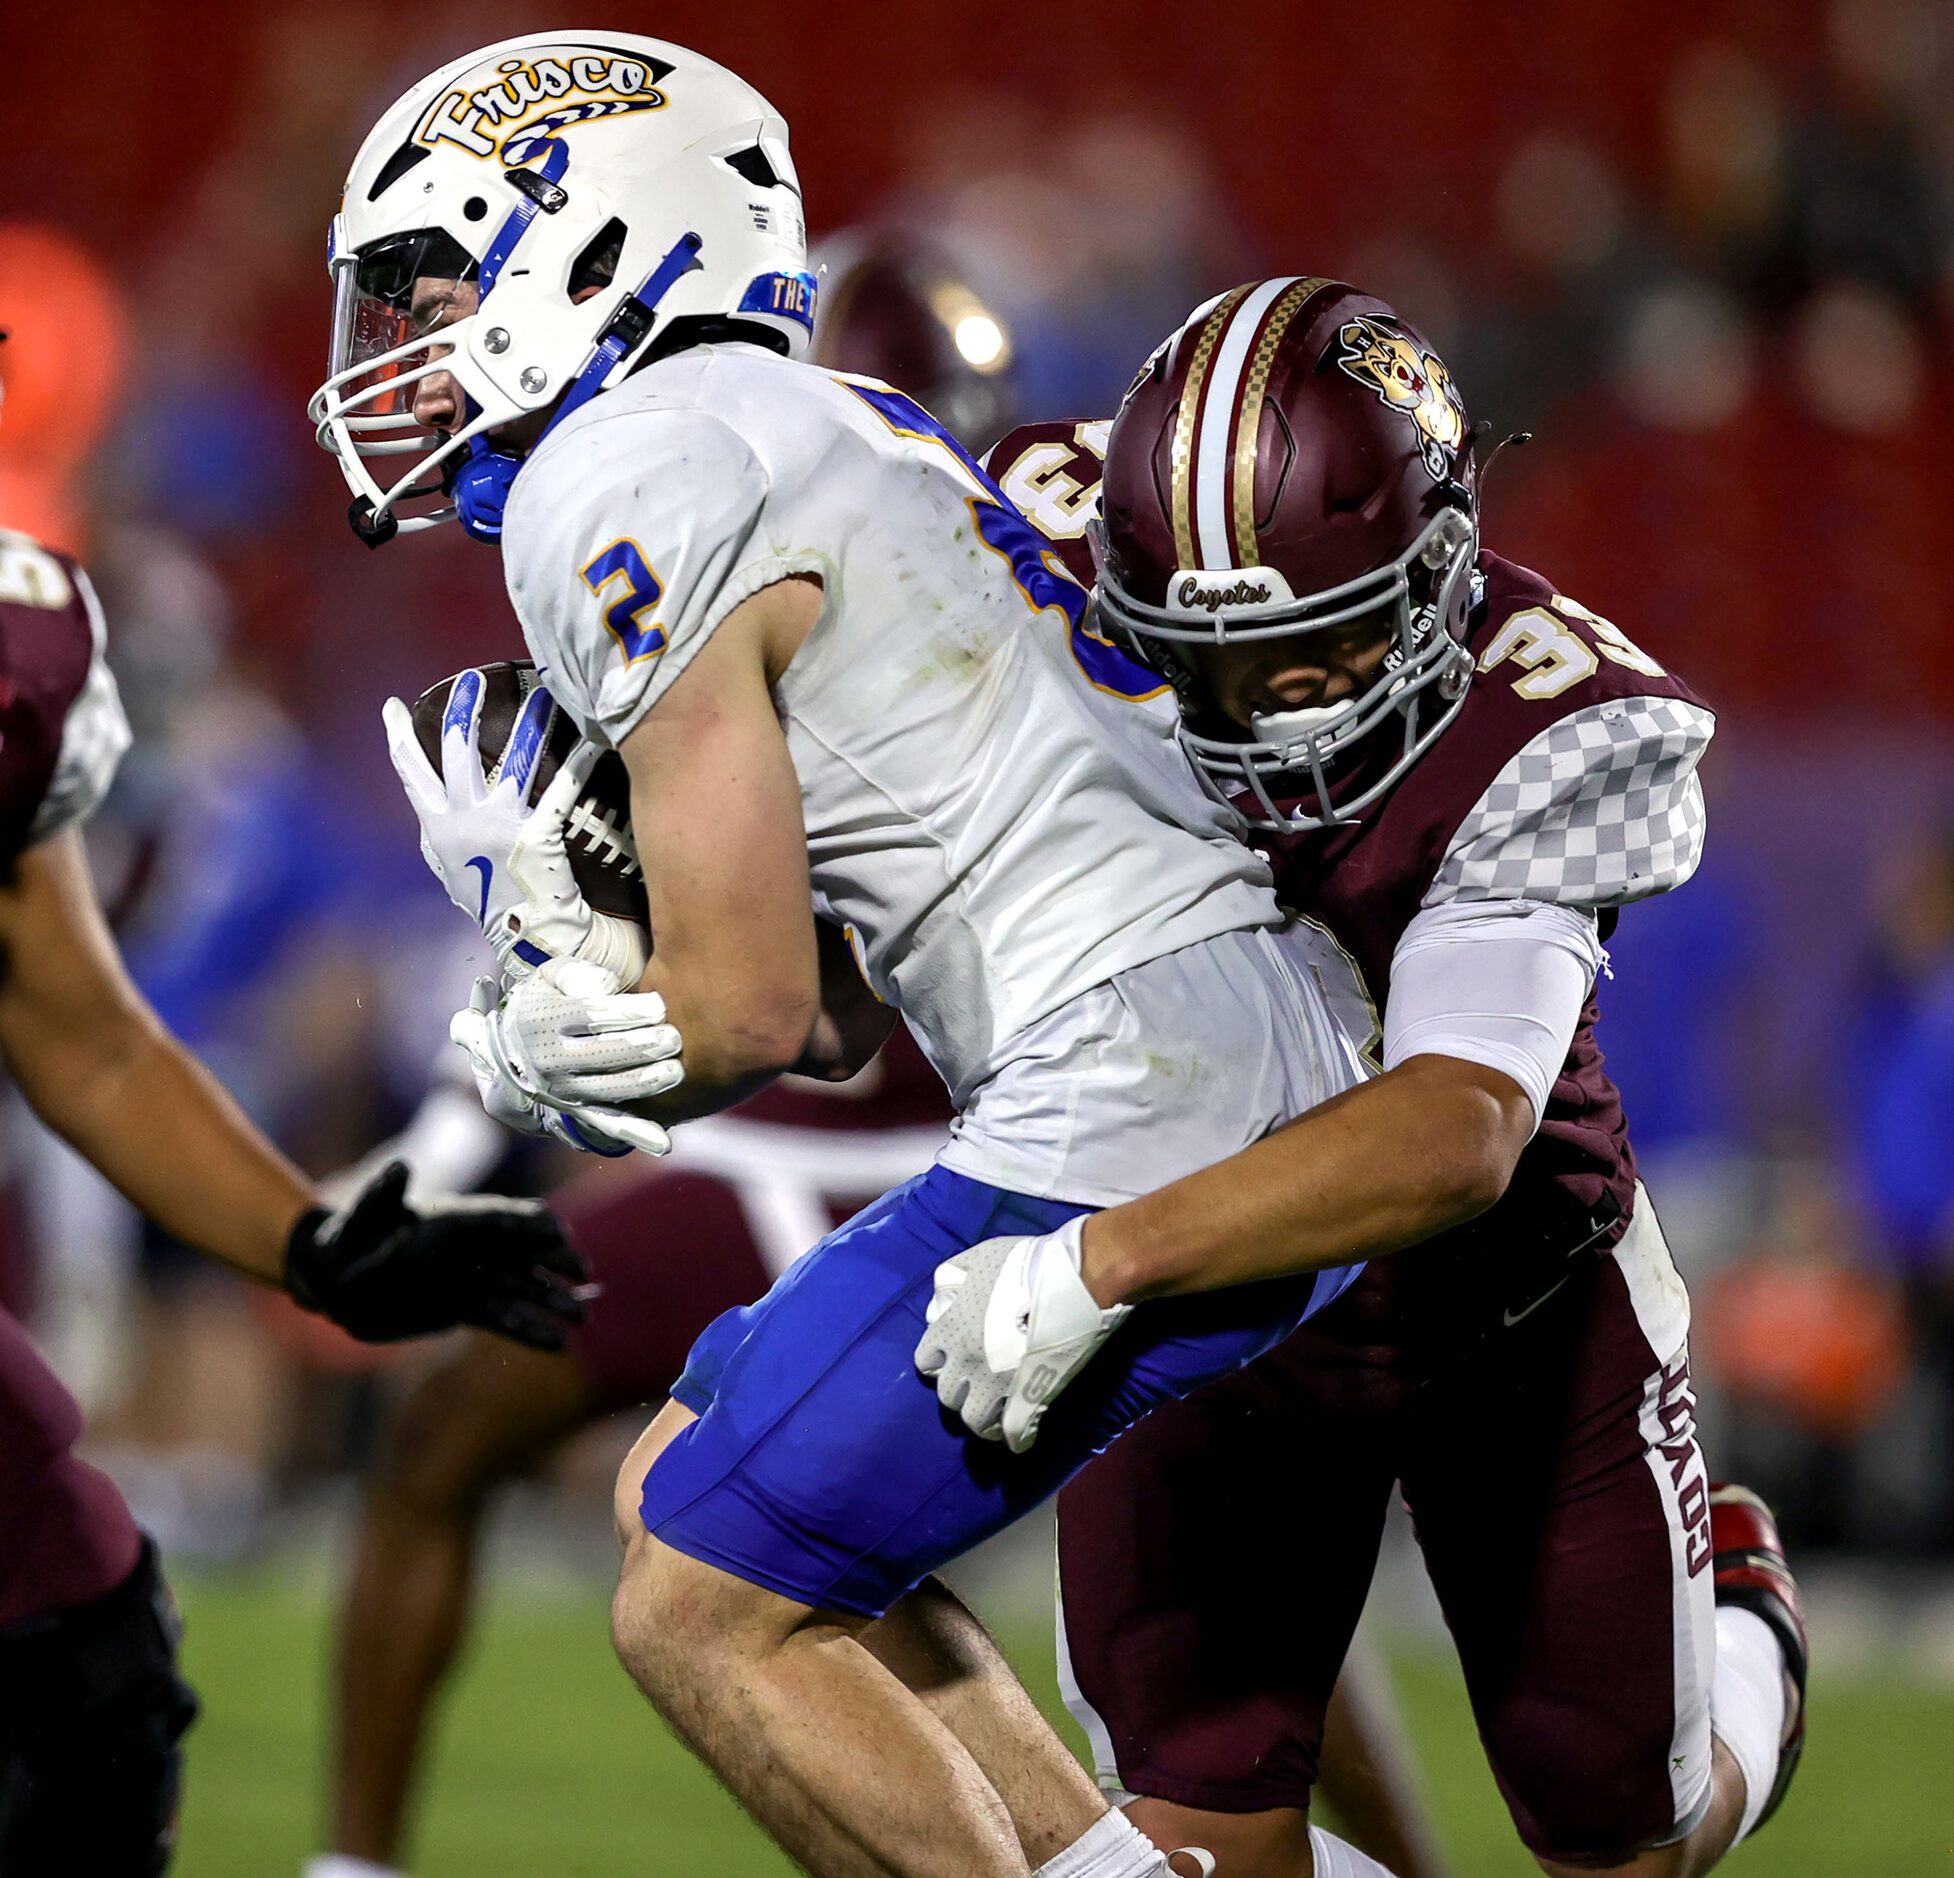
x=91, y=1706
x=1460, y=775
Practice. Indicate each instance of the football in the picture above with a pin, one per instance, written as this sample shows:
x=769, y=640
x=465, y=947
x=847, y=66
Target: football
x=603, y=857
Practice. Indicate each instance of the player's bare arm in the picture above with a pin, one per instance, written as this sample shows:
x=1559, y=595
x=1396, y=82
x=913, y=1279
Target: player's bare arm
x=98, y=1067
x=1319, y=1192
x=716, y=809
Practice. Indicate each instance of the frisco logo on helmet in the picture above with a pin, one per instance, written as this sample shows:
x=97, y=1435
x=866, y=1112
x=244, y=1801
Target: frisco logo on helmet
x=691, y=188
x=1407, y=380
x=607, y=84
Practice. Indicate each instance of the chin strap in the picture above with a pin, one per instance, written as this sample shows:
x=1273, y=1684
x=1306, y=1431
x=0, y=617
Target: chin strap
x=483, y=481
x=481, y=488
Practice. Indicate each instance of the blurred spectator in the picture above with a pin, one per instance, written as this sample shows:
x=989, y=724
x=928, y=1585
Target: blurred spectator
x=1811, y=1347
x=1898, y=1111
x=1903, y=1044
x=60, y=370
x=1862, y=203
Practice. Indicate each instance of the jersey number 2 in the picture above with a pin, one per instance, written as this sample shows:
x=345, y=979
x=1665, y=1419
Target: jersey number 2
x=625, y=561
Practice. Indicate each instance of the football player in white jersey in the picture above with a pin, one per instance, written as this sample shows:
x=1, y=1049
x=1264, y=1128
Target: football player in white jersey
x=877, y=764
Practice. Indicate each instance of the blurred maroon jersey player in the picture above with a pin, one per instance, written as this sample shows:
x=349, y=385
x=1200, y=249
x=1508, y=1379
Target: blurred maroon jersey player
x=1440, y=752
x=87, y=1640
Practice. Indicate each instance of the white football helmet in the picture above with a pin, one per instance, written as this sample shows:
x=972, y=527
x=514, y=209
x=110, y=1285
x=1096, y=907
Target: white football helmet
x=537, y=169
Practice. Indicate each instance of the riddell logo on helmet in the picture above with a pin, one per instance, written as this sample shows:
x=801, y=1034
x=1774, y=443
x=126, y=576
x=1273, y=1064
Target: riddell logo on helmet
x=575, y=88
x=1211, y=597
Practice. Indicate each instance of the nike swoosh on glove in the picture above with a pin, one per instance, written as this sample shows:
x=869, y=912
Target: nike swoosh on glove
x=502, y=859
x=384, y=1270
x=1010, y=1324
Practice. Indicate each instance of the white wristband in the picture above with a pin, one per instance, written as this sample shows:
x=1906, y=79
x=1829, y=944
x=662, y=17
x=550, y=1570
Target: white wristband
x=621, y=946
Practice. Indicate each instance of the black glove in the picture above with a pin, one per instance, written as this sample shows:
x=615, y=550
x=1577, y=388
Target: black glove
x=384, y=1271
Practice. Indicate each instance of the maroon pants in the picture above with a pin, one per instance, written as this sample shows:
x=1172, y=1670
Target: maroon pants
x=1215, y=1560
x=65, y=1535
x=672, y=1249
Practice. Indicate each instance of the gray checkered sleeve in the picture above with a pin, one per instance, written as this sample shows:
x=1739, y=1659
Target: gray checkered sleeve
x=1602, y=808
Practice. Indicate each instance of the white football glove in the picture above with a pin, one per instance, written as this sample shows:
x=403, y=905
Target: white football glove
x=1010, y=1324
x=503, y=860
x=564, y=1049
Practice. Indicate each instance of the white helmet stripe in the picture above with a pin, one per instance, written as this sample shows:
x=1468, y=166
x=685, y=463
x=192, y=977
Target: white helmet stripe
x=1218, y=397
x=1248, y=412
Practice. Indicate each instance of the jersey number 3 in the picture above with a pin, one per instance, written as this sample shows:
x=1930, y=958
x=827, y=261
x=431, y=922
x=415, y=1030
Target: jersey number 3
x=1543, y=640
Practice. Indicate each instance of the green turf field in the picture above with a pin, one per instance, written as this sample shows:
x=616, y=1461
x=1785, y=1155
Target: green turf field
x=550, y=1767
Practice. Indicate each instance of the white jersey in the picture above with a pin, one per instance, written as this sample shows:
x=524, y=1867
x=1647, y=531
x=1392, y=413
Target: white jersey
x=995, y=803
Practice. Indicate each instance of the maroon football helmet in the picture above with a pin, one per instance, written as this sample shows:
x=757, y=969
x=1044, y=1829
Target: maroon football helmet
x=893, y=310
x=1295, y=457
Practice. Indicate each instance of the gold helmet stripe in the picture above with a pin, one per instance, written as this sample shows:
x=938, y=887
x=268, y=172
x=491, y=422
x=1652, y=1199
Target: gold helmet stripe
x=1248, y=414
x=1186, y=420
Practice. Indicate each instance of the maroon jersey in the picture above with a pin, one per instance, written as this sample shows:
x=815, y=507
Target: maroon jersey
x=62, y=731
x=68, y=1537
x=898, y=1089
x=1567, y=776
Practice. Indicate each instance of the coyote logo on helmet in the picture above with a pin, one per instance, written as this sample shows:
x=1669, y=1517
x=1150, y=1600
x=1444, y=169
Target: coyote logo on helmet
x=574, y=87
x=1408, y=380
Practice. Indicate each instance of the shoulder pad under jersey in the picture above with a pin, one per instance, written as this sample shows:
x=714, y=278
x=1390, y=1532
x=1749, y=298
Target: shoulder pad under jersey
x=1571, y=767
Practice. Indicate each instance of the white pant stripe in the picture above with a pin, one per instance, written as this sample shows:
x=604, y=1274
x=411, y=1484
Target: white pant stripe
x=1105, y=1764
x=1675, y=1463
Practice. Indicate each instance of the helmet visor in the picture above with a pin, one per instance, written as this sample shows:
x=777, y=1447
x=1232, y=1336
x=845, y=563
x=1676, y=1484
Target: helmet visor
x=387, y=299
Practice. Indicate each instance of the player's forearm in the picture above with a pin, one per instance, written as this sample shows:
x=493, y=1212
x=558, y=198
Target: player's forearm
x=1381, y=1167
x=739, y=1035
x=156, y=1124
x=97, y=1065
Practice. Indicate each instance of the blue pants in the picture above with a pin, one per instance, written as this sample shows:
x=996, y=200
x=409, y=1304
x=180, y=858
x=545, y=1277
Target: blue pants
x=822, y=1465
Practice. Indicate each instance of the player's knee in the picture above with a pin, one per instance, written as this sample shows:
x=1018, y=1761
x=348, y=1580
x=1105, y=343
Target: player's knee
x=677, y=1620
x=640, y=1614
x=1590, y=1799
x=1616, y=1845
x=673, y=1621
